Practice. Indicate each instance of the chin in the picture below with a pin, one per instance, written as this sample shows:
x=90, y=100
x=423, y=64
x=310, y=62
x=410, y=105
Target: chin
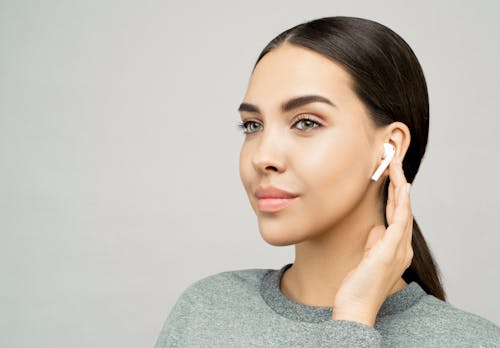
x=278, y=241
x=280, y=236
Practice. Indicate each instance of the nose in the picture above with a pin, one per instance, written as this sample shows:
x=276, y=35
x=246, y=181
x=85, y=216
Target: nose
x=269, y=153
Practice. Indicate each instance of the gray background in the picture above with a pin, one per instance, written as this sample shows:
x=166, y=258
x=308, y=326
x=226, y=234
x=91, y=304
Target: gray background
x=119, y=182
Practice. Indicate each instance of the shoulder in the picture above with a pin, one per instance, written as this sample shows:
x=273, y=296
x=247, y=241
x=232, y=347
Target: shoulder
x=211, y=297
x=217, y=287
x=228, y=290
x=459, y=325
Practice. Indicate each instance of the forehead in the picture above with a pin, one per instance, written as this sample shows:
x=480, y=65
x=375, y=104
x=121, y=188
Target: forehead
x=291, y=70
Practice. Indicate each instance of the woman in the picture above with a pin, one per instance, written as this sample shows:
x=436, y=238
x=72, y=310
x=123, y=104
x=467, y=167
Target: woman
x=325, y=102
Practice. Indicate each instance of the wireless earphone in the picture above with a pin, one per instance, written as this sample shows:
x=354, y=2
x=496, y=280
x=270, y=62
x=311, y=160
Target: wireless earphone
x=389, y=152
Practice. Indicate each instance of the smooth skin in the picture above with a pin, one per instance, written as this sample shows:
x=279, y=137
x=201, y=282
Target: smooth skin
x=344, y=256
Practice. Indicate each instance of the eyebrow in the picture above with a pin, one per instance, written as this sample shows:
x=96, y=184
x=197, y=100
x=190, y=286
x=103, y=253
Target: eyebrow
x=290, y=104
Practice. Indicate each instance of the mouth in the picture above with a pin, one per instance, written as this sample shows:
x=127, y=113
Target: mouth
x=273, y=205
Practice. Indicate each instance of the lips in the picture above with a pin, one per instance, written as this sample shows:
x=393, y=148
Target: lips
x=272, y=199
x=273, y=192
x=273, y=205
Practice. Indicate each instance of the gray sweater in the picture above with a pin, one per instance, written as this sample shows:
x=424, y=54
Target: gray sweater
x=245, y=308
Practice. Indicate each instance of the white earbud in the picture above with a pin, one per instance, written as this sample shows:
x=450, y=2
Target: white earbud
x=389, y=152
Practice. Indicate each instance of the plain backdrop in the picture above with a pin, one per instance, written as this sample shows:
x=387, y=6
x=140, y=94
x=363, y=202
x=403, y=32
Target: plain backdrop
x=119, y=181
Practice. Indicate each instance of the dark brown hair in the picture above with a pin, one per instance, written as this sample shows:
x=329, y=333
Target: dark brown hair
x=389, y=80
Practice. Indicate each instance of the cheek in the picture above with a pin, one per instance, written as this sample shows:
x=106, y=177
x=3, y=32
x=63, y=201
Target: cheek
x=248, y=175
x=335, y=177
x=244, y=168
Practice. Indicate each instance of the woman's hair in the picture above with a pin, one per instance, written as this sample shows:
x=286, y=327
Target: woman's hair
x=389, y=80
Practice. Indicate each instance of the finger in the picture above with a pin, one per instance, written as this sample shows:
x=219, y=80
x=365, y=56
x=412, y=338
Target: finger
x=406, y=245
x=398, y=178
x=402, y=223
x=409, y=234
x=395, y=165
x=396, y=173
x=390, y=203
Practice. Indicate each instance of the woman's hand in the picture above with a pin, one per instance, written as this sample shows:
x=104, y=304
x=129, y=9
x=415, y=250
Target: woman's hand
x=388, y=253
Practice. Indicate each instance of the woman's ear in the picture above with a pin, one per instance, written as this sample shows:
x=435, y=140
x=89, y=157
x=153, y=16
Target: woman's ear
x=398, y=134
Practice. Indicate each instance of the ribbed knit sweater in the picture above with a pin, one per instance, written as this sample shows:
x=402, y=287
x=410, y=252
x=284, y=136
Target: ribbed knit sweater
x=246, y=308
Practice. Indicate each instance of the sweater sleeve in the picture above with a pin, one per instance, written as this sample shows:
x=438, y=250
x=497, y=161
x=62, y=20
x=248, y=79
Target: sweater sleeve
x=346, y=333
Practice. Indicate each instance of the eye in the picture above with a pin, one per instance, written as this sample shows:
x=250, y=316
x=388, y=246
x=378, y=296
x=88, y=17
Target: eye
x=243, y=126
x=306, y=121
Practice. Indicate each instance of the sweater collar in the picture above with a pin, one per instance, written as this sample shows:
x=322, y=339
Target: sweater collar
x=272, y=295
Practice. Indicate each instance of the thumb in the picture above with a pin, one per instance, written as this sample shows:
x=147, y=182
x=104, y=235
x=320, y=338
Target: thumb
x=375, y=234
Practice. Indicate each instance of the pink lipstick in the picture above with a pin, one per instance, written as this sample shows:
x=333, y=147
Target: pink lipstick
x=273, y=199
x=273, y=205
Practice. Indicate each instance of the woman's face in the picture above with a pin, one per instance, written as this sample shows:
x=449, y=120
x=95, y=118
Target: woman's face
x=327, y=161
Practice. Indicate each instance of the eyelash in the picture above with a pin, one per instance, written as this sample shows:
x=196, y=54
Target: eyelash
x=242, y=126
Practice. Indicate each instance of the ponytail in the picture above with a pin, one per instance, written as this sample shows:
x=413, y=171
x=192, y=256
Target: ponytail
x=423, y=268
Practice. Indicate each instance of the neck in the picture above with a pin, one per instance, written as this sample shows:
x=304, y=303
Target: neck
x=322, y=262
